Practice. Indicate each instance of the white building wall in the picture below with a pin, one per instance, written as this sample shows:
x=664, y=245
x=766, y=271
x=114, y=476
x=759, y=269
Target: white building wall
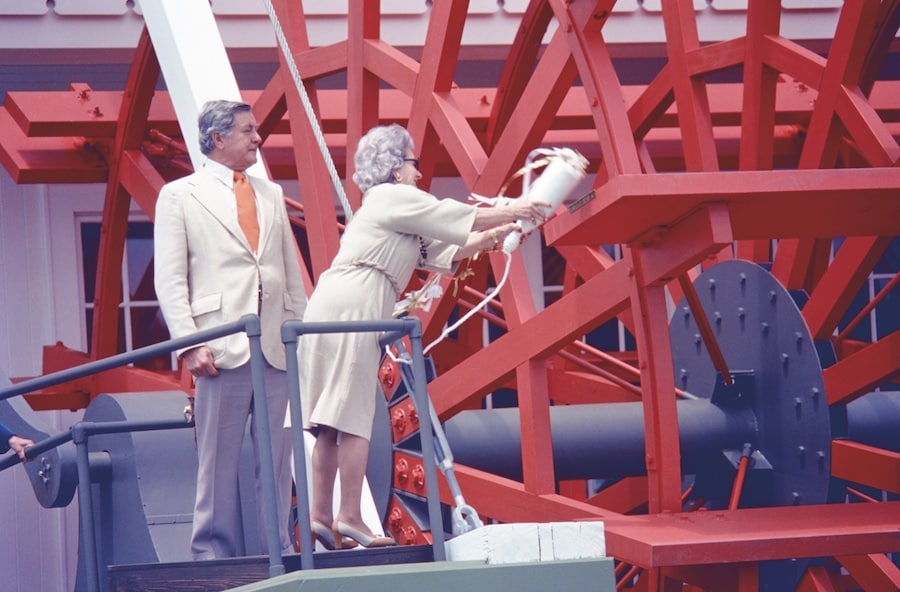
x=39, y=306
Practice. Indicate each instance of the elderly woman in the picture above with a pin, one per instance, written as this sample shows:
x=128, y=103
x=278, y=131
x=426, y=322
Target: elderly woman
x=397, y=229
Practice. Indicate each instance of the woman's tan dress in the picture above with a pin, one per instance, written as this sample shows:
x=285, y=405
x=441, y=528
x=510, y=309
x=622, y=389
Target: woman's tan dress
x=379, y=251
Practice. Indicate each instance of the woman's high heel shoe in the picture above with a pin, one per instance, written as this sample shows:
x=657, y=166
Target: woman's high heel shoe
x=324, y=535
x=341, y=531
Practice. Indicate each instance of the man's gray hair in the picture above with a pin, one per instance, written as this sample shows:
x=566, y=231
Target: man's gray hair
x=217, y=117
x=380, y=152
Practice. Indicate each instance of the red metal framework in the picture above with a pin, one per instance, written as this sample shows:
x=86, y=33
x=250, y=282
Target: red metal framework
x=688, y=172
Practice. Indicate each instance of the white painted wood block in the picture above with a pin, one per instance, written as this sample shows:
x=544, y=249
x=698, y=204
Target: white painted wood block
x=519, y=6
x=654, y=6
x=23, y=7
x=90, y=7
x=811, y=4
x=529, y=542
x=401, y=7
x=239, y=7
x=729, y=5
x=515, y=6
x=483, y=6
x=325, y=7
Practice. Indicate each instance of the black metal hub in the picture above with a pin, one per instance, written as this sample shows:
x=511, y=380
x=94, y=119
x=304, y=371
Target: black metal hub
x=767, y=346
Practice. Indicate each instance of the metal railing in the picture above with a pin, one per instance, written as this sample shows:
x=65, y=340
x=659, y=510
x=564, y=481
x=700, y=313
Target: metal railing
x=81, y=432
x=392, y=330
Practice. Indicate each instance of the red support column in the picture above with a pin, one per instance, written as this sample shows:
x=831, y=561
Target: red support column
x=130, y=130
x=316, y=188
x=663, y=452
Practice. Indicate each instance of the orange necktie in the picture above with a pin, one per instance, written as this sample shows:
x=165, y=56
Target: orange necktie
x=246, y=209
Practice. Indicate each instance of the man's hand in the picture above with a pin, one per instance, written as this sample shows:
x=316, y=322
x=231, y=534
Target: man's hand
x=19, y=444
x=200, y=362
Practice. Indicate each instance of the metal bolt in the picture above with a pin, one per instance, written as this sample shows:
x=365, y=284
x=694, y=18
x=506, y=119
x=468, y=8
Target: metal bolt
x=401, y=469
x=712, y=284
x=399, y=420
x=418, y=476
x=797, y=406
x=395, y=520
x=765, y=328
x=795, y=497
x=741, y=312
x=46, y=468
x=820, y=457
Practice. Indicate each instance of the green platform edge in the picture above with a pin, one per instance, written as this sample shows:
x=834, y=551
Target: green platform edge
x=449, y=576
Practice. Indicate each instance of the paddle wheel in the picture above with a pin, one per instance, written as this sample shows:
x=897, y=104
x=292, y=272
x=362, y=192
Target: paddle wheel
x=792, y=170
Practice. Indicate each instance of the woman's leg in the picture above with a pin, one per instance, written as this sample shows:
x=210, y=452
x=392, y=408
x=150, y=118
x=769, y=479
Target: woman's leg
x=324, y=469
x=352, y=459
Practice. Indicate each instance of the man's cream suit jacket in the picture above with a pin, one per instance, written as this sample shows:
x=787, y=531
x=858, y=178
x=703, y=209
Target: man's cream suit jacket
x=206, y=274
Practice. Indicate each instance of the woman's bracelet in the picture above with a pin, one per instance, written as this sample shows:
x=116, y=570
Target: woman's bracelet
x=496, y=246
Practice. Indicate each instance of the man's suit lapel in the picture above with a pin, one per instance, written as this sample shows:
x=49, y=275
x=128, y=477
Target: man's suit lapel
x=217, y=199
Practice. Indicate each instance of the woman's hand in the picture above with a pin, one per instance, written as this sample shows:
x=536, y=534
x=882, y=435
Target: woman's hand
x=486, y=240
x=534, y=211
x=498, y=234
x=520, y=210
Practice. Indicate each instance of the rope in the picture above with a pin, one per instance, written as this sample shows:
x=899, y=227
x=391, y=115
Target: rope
x=310, y=113
x=449, y=329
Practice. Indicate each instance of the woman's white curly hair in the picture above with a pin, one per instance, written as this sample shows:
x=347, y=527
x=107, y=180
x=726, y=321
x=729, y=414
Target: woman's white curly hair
x=380, y=152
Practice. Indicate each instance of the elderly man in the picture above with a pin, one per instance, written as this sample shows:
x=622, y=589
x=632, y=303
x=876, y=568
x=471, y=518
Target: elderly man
x=224, y=249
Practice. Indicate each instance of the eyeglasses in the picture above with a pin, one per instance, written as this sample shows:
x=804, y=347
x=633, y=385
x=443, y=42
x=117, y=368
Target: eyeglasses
x=414, y=161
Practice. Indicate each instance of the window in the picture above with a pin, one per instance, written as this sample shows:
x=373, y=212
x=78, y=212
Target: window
x=140, y=320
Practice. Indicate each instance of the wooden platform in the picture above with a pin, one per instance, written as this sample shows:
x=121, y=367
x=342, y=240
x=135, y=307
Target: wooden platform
x=224, y=574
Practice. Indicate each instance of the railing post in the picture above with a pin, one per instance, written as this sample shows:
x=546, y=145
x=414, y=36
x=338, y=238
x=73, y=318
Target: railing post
x=86, y=507
x=289, y=335
x=420, y=396
x=264, y=448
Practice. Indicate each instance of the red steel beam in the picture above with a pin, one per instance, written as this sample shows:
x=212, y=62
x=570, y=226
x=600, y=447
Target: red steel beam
x=872, y=572
x=630, y=206
x=663, y=450
x=42, y=114
x=841, y=282
x=601, y=298
x=862, y=371
x=312, y=171
x=866, y=465
x=758, y=534
x=132, y=119
x=44, y=157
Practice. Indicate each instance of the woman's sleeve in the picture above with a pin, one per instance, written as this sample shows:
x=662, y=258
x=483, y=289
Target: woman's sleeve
x=413, y=211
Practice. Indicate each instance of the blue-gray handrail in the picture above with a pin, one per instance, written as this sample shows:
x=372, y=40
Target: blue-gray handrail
x=392, y=330
x=80, y=432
